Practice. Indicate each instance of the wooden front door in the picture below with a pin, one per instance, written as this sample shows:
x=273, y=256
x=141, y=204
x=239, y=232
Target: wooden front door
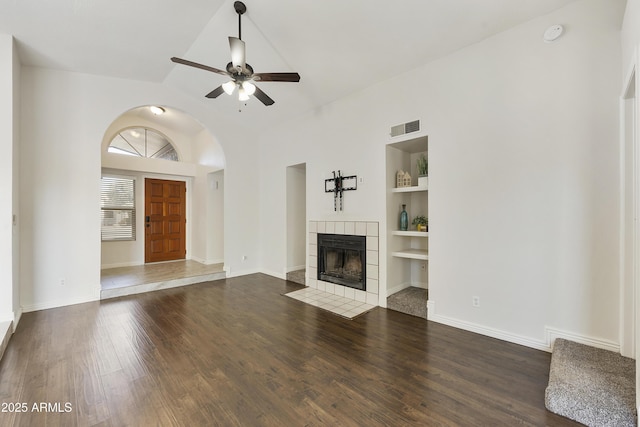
x=165, y=220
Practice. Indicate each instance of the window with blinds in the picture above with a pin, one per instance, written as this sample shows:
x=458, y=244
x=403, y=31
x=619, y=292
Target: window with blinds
x=118, y=213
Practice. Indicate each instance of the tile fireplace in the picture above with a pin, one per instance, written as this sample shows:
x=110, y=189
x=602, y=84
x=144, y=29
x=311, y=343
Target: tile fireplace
x=343, y=260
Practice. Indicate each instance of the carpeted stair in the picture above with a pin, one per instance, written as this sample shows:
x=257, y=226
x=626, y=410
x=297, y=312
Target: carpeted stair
x=297, y=276
x=410, y=300
x=592, y=386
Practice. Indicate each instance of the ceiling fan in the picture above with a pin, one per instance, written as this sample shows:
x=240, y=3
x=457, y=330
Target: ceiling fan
x=241, y=73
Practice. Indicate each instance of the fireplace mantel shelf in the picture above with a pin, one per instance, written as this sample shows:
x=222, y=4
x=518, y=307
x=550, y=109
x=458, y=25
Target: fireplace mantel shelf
x=412, y=254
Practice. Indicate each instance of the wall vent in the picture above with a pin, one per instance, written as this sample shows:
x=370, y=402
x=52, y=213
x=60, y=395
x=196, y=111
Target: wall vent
x=405, y=128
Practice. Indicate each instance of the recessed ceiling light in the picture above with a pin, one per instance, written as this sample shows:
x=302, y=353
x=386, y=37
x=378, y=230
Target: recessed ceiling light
x=156, y=110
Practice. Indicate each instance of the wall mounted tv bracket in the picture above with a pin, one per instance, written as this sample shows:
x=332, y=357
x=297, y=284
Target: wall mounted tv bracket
x=338, y=184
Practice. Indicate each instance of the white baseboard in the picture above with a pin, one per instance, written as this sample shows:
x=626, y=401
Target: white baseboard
x=397, y=288
x=17, y=315
x=6, y=330
x=401, y=286
x=553, y=333
x=121, y=264
x=60, y=303
x=207, y=261
x=550, y=333
x=282, y=276
x=295, y=268
x=484, y=330
x=239, y=273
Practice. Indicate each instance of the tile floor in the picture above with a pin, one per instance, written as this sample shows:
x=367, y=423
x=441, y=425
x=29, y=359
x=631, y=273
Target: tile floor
x=122, y=281
x=336, y=304
x=158, y=272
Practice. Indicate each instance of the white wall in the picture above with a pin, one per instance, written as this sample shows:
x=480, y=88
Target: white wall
x=630, y=33
x=296, y=217
x=630, y=51
x=17, y=310
x=64, y=118
x=215, y=218
x=8, y=75
x=209, y=201
x=523, y=156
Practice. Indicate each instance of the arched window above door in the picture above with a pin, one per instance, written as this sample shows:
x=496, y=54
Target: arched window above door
x=143, y=142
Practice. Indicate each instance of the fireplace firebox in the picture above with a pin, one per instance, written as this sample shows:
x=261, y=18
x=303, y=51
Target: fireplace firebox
x=342, y=260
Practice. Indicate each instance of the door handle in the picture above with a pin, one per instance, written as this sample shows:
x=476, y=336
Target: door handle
x=147, y=218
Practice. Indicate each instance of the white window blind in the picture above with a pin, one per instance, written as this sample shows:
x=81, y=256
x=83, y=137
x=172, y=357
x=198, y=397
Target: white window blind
x=118, y=213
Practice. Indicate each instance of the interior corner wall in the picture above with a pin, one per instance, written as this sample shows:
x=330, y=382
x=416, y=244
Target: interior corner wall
x=15, y=253
x=630, y=52
x=630, y=34
x=524, y=167
x=7, y=194
x=64, y=117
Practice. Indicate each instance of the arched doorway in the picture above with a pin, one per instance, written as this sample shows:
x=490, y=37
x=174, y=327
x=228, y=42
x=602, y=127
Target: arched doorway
x=141, y=146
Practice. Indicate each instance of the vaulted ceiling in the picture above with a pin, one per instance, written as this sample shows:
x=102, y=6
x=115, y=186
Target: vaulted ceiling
x=337, y=46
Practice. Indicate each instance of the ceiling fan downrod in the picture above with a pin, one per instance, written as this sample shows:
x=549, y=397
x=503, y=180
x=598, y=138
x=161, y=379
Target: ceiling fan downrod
x=240, y=10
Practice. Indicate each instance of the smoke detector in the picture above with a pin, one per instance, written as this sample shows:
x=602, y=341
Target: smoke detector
x=552, y=33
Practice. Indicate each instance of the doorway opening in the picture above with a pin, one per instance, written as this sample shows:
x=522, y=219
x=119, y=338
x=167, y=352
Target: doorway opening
x=165, y=220
x=296, y=223
x=186, y=229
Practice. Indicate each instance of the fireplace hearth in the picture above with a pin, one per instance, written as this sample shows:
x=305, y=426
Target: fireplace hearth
x=342, y=260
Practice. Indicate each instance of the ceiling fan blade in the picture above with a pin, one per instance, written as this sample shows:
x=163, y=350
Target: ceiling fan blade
x=263, y=97
x=215, y=93
x=196, y=65
x=276, y=77
x=237, y=53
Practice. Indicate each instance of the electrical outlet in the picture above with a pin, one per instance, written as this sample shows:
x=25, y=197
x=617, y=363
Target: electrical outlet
x=475, y=301
x=244, y=257
x=62, y=282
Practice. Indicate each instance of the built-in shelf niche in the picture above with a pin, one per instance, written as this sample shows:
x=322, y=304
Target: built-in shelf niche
x=407, y=251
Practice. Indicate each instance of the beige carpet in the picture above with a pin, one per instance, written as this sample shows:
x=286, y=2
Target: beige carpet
x=296, y=276
x=410, y=300
x=592, y=386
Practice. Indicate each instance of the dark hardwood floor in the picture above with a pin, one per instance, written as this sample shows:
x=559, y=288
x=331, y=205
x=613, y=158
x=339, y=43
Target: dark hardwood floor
x=236, y=352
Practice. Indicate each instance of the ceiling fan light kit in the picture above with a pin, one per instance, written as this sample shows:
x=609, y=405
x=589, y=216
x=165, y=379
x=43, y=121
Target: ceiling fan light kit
x=249, y=88
x=229, y=87
x=239, y=71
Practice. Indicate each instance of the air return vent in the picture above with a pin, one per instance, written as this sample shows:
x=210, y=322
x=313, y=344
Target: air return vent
x=405, y=128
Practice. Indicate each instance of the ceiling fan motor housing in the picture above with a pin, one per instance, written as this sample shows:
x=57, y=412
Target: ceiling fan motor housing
x=239, y=7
